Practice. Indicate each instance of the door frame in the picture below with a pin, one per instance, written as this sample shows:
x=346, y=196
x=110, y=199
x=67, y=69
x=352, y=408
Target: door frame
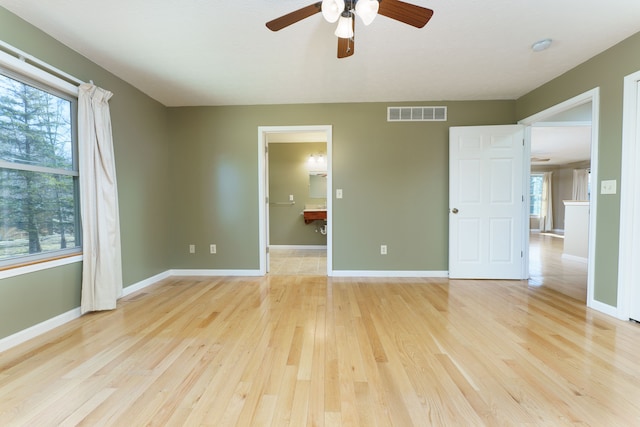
x=263, y=132
x=592, y=96
x=629, y=249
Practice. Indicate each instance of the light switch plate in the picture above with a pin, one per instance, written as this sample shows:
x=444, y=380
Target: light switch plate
x=608, y=187
x=339, y=193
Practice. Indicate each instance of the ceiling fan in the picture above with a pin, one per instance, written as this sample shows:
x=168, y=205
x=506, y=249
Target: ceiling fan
x=343, y=11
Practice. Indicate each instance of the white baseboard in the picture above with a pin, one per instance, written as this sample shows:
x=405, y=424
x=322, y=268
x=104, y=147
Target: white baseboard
x=575, y=258
x=39, y=329
x=216, y=273
x=298, y=246
x=604, y=308
x=390, y=274
x=49, y=324
x=144, y=283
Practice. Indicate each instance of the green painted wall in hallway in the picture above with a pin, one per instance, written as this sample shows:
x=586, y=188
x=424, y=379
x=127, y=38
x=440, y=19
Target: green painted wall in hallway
x=605, y=71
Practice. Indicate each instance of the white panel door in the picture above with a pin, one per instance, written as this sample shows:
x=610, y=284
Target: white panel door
x=486, y=202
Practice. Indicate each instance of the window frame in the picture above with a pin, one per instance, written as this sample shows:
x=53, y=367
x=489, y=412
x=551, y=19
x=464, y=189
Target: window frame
x=531, y=205
x=19, y=69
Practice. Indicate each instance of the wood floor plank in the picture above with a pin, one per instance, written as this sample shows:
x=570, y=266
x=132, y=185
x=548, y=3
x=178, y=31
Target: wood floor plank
x=311, y=350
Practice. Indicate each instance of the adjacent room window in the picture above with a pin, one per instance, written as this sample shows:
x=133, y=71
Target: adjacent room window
x=39, y=213
x=535, y=194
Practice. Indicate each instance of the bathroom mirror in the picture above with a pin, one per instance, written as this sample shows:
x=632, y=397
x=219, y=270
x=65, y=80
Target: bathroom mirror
x=318, y=185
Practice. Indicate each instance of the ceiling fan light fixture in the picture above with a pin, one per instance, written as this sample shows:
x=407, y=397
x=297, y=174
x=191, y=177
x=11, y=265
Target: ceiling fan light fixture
x=332, y=9
x=345, y=27
x=367, y=10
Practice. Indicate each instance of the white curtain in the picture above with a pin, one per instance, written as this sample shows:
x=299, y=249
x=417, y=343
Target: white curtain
x=102, y=264
x=546, y=207
x=580, y=184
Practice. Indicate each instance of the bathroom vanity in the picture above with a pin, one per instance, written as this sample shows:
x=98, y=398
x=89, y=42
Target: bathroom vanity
x=312, y=214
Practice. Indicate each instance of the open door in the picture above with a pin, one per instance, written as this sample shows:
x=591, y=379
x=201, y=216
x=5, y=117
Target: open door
x=486, y=202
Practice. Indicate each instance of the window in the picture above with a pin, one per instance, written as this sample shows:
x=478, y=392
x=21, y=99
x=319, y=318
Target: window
x=39, y=211
x=535, y=194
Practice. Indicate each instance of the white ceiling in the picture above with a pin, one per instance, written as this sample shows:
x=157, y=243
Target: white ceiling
x=560, y=144
x=214, y=52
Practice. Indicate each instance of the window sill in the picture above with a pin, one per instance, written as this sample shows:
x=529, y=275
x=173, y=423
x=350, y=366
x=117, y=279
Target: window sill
x=17, y=270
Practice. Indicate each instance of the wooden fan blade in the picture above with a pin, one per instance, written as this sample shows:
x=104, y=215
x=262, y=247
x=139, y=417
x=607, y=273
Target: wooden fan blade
x=411, y=14
x=346, y=46
x=293, y=17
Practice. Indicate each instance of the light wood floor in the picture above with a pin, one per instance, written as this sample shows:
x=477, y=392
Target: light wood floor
x=547, y=267
x=311, y=350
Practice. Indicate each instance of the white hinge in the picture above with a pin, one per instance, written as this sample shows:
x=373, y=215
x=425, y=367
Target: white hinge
x=266, y=149
x=266, y=199
x=521, y=254
x=267, y=249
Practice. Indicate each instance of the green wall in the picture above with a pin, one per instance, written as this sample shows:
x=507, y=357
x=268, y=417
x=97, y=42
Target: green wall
x=141, y=150
x=289, y=175
x=190, y=176
x=606, y=71
x=394, y=177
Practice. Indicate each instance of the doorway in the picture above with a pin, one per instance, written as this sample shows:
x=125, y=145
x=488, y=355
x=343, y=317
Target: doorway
x=570, y=117
x=559, y=201
x=288, y=207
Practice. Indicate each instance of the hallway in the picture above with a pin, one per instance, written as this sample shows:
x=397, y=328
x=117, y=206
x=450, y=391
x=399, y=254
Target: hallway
x=547, y=267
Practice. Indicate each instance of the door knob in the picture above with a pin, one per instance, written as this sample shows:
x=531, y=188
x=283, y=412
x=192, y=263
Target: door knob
x=454, y=210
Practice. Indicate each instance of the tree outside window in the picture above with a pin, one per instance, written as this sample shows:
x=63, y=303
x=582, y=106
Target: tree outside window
x=535, y=194
x=38, y=171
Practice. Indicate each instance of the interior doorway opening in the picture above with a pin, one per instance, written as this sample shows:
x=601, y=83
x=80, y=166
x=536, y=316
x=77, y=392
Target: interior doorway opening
x=562, y=154
x=295, y=218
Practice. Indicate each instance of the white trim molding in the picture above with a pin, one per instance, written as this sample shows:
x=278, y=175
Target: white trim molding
x=263, y=136
x=144, y=283
x=43, y=72
x=389, y=273
x=629, y=249
x=31, y=268
x=298, y=247
x=604, y=308
x=216, y=273
x=592, y=96
x=38, y=329
x=575, y=258
x=49, y=324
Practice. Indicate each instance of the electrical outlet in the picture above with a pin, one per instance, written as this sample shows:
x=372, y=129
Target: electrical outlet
x=383, y=249
x=608, y=187
x=291, y=197
x=212, y=249
x=192, y=249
